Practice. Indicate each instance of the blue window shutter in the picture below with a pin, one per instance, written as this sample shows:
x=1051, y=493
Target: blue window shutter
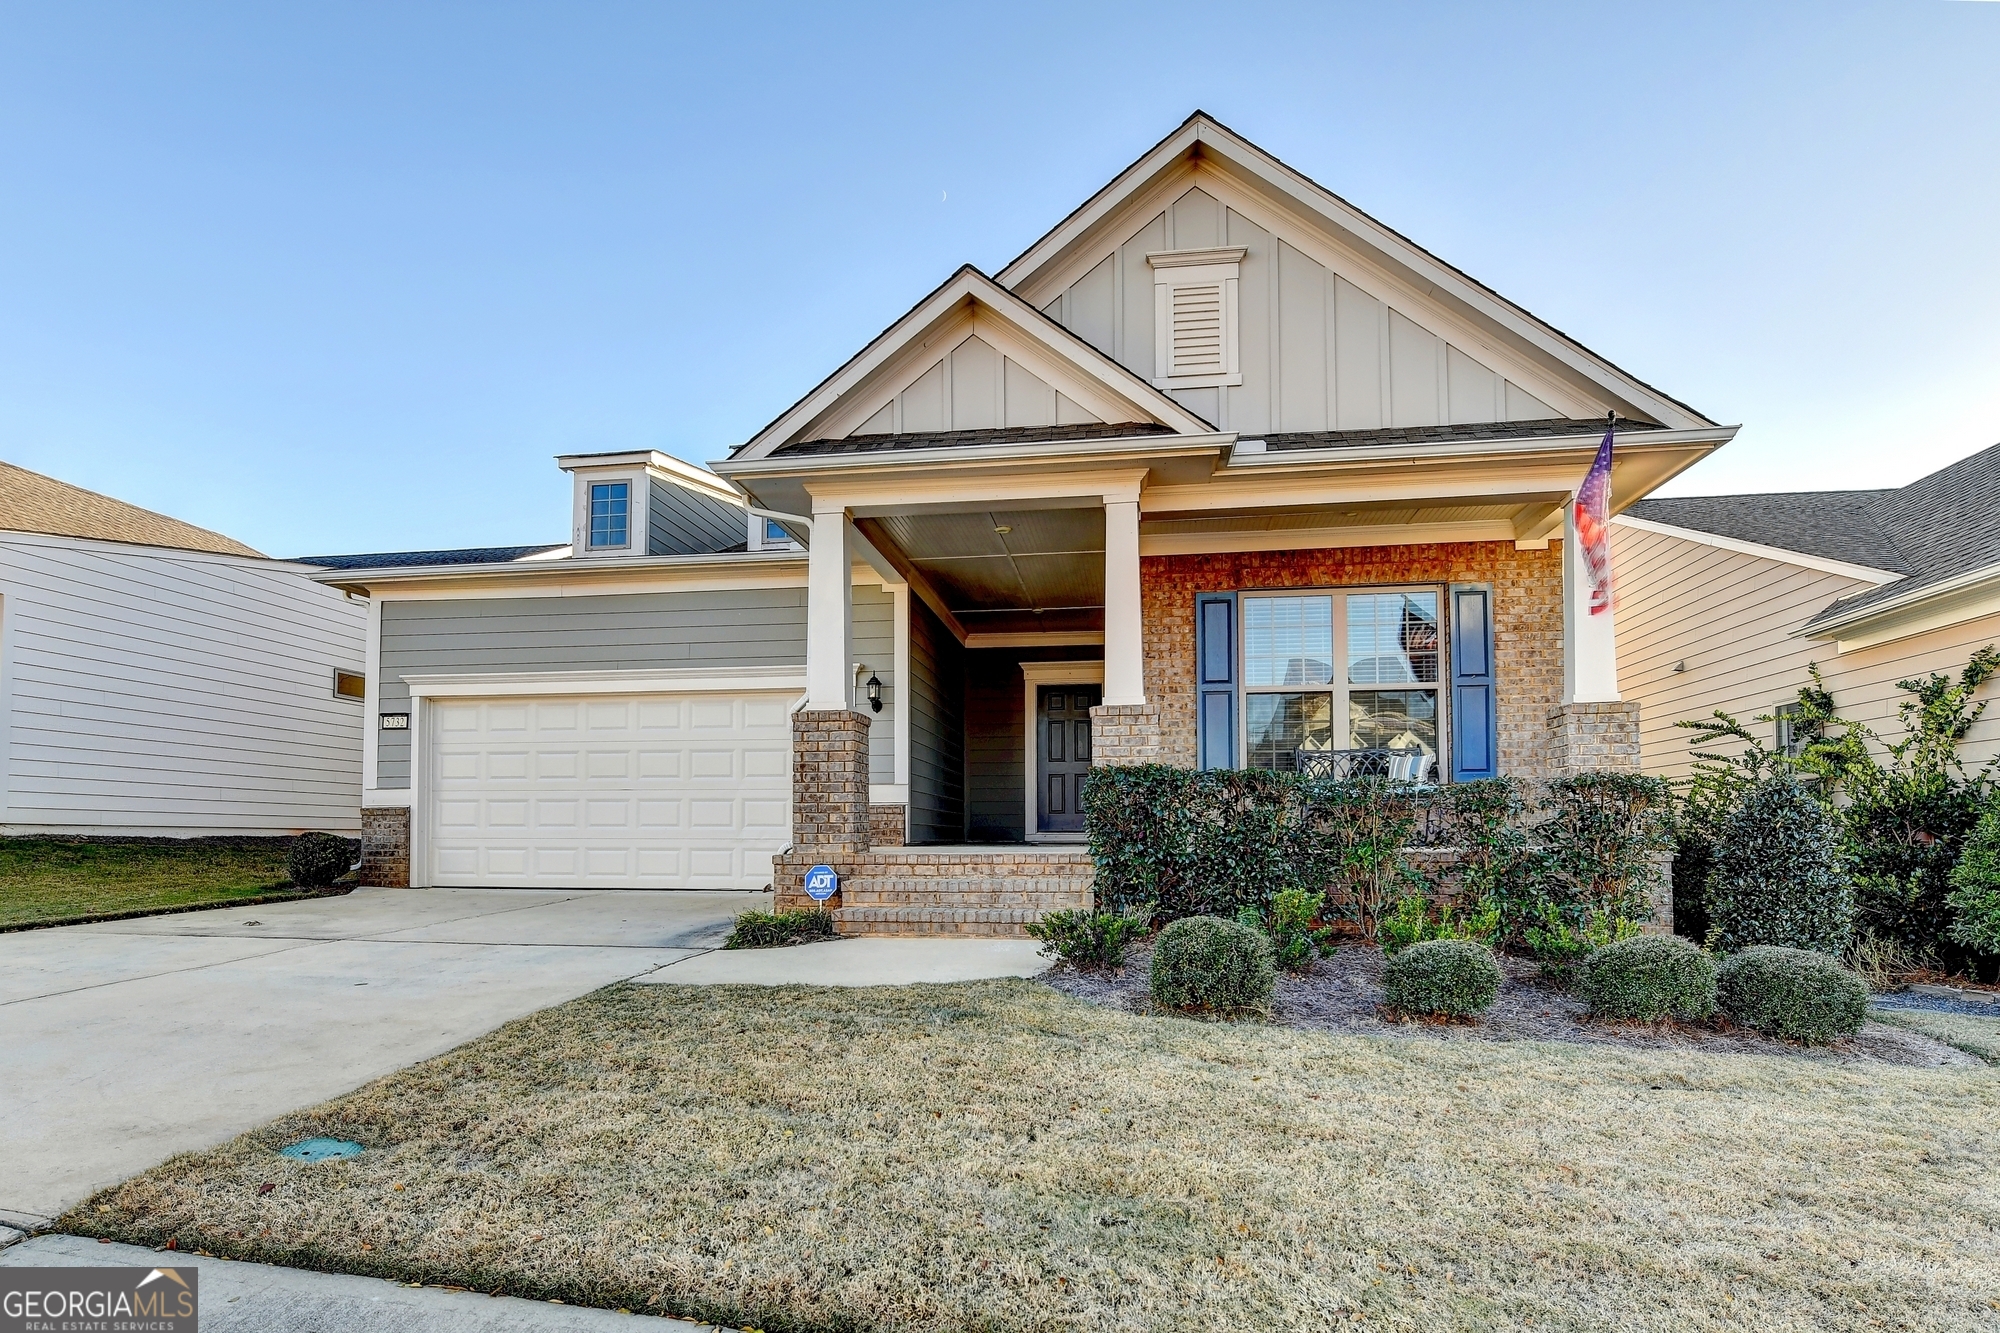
x=1215, y=678
x=1475, y=731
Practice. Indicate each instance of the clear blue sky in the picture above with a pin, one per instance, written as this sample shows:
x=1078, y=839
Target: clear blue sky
x=345, y=277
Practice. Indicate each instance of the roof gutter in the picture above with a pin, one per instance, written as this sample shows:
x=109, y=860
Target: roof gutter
x=1118, y=449
x=1243, y=459
x=361, y=580
x=1984, y=579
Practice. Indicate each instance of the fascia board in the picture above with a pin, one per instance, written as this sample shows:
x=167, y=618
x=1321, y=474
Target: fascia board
x=1300, y=460
x=603, y=569
x=1080, y=453
x=1846, y=569
x=1223, y=149
x=969, y=285
x=1974, y=585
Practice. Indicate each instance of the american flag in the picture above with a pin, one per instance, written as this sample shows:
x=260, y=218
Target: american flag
x=1593, y=525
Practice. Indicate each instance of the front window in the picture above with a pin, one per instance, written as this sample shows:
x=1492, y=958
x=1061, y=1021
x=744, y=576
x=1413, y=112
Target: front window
x=610, y=513
x=1383, y=697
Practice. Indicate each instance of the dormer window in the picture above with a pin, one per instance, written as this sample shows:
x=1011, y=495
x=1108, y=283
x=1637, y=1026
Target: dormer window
x=610, y=515
x=1195, y=342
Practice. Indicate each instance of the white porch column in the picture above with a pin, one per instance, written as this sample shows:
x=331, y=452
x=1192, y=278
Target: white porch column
x=1124, y=655
x=829, y=612
x=1590, y=642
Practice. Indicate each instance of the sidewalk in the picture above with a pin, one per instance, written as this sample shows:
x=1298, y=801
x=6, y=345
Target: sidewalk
x=857, y=962
x=256, y=1298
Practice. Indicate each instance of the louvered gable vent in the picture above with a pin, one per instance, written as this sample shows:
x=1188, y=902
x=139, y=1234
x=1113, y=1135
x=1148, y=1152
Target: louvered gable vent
x=1194, y=302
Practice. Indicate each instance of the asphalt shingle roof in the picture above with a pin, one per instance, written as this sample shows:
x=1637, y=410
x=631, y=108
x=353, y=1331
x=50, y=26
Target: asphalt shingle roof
x=1936, y=528
x=1546, y=428
x=31, y=502
x=474, y=555
x=947, y=439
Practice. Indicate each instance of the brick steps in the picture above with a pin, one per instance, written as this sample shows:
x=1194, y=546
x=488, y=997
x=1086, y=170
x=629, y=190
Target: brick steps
x=1000, y=922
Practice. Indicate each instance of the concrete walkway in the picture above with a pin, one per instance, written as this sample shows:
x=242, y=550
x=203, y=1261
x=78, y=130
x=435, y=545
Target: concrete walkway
x=857, y=962
x=125, y=1042
x=255, y=1298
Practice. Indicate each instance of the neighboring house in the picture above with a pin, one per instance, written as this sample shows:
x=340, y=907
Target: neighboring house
x=161, y=680
x=1725, y=600
x=1220, y=469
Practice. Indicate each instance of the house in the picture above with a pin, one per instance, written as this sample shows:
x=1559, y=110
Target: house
x=161, y=680
x=1726, y=600
x=1220, y=469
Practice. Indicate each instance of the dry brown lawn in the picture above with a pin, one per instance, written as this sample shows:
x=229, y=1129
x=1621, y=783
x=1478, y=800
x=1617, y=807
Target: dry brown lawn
x=998, y=1156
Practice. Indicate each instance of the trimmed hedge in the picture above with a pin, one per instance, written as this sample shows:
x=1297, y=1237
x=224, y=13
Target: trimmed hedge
x=1798, y=994
x=316, y=860
x=1649, y=978
x=1216, y=966
x=1455, y=978
x=1780, y=876
x=1975, y=886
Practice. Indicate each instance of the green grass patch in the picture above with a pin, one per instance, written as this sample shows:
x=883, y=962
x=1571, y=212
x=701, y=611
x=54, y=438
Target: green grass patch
x=53, y=881
x=1968, y=1032
x=997, y=1156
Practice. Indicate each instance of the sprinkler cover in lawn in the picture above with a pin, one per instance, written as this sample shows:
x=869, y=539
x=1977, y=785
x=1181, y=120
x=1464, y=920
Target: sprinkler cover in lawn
x=321, y=1150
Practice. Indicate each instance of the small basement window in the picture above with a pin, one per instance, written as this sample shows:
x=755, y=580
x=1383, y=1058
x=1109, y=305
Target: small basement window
x=350, y=685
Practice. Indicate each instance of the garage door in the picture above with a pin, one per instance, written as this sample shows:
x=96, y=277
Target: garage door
x=650, y=791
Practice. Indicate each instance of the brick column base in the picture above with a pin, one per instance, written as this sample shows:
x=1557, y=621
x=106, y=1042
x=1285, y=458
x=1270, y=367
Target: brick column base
x=385, y=847
x=888, y=825
x=830, y=817
x=1594, y=738
x=1124, y=734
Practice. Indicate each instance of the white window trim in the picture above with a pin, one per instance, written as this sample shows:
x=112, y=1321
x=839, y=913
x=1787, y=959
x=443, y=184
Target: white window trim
x=1340, y=687
x=1032, y=675
x=759, y=542
x=1189, y=268
x=639, y=502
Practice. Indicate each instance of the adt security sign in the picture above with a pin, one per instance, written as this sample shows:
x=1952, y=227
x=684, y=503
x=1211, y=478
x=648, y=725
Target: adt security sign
x=822, y=883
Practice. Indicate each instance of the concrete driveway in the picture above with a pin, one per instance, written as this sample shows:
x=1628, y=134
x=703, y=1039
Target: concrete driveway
x=125, y=1042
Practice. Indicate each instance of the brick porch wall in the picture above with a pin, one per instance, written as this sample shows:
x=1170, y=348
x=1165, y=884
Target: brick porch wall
x=1527, y=629
x=385, y=847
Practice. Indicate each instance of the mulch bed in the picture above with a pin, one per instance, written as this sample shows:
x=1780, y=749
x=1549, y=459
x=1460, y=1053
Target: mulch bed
x=1343, y=993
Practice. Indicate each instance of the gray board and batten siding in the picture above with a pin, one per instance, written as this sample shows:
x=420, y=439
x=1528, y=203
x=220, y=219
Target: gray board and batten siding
x=686, y=522
x=996, y=740
x=740, y=627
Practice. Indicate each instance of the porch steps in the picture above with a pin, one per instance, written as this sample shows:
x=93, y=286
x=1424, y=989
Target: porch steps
x=980, y=891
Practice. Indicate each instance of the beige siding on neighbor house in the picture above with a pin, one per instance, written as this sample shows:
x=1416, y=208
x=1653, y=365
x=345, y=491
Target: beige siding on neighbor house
x=154, y=692
x=1731, y=617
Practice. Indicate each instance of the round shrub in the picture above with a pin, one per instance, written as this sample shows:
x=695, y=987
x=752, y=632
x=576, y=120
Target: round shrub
x=1206, y=963
x=1780, y=877
x=1457, y=978
x=318, y=859
x=1648, y=978
x=1795, y=993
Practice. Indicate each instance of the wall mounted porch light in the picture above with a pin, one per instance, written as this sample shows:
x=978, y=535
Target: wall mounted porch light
x=874, y=691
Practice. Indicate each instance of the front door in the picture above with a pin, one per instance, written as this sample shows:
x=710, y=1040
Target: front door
x=1062, y=753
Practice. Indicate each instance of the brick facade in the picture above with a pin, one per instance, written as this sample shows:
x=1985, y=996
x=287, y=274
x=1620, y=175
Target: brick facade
x=385, y=847
x=888, y=825
x=830, y=780
x=1527, y=628
x=1125, y=734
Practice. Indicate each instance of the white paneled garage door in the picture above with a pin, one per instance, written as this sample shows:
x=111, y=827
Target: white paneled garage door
x=645, y=792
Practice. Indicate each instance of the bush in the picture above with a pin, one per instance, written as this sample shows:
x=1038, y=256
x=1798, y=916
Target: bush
x=316, y=860
x=1289, y=923
x=1799, y=994
x=770, y=930
x=1456, y=978
x=1598, y=846
x=1206, y=963
x=1975, y=886
x=1413, y=920
x=1780, y=876
x=1086, y=938
x=1561, y=948
x=1649, y=978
